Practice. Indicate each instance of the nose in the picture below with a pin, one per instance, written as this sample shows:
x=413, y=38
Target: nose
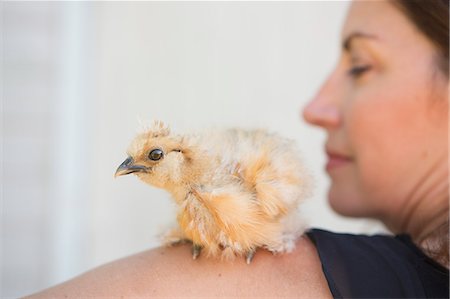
x=323, y=110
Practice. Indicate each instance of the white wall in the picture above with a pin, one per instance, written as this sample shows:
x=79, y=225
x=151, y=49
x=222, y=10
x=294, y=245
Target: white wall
x=109, y=64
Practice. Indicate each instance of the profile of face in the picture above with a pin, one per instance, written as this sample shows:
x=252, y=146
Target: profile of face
x=385, y=111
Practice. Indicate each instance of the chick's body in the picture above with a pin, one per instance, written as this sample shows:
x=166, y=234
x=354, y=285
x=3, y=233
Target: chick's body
x=237, y=190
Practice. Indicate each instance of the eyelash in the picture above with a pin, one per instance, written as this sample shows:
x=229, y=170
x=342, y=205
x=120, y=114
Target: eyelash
x=358, y=70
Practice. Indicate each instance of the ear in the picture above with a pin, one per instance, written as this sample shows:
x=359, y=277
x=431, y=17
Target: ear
x=187, y=153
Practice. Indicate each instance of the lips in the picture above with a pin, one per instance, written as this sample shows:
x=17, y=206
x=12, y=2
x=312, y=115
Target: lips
x=336, y=160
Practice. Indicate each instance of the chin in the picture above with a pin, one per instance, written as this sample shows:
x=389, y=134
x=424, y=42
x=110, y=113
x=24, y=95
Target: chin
x=347, y=203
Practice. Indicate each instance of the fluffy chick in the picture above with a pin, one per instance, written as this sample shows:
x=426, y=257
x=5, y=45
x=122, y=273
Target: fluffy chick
x=236, y=190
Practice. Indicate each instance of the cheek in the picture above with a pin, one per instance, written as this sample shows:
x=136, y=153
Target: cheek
x=372, y=138
x=386, y=133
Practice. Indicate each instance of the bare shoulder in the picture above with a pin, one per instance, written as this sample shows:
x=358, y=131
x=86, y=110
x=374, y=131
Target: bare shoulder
x=171, y=272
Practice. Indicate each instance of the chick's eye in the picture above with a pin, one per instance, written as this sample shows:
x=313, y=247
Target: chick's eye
x=155, y=154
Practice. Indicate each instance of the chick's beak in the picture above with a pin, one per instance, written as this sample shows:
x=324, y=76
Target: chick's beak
x=128, y=167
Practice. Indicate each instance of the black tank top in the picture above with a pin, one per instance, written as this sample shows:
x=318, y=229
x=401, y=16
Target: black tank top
x=380, y=266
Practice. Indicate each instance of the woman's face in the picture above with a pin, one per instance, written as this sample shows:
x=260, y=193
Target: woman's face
x=385, y=110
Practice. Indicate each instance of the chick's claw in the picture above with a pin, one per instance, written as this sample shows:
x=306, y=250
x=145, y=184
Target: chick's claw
x=249, y=256
x=196, y=249
x=174, y=237
x=178, y=242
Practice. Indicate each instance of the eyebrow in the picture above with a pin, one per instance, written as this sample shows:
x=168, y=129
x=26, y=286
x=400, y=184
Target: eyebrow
x=347, y=44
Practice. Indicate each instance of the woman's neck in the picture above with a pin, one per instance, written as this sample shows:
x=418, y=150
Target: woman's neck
x=424, y=213
x=425, y=217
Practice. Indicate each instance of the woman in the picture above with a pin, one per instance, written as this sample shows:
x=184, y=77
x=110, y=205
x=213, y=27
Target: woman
x=385, y=110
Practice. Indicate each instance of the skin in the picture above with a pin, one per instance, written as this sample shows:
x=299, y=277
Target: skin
x=388, y=138
x=171, y=272
x=389, y=122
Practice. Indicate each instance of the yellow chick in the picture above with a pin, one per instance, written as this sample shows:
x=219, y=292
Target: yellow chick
x=236, y=190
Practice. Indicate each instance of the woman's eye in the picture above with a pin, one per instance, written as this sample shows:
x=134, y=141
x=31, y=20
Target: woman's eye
x=358, y=70
x=155, y=154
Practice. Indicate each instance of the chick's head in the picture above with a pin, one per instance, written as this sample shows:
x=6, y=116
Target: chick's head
x=156, y=157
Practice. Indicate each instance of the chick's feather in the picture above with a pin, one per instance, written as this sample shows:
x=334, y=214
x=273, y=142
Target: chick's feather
x=236, y=190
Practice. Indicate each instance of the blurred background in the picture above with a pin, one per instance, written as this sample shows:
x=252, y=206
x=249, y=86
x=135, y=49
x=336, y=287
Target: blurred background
x=77, y=79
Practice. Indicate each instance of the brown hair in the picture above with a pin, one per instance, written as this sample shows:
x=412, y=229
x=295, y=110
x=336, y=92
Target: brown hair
x=431, y=17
